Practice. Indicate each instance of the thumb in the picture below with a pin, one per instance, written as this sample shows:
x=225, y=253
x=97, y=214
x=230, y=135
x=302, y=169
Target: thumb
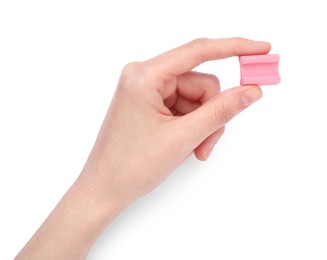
x=215, y=113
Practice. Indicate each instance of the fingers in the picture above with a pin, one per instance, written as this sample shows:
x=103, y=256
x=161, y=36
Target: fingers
x=203, y=151
x=184, y=106
x=214, y=114
x=198, y=86
x=184, y=58
x=193, y=89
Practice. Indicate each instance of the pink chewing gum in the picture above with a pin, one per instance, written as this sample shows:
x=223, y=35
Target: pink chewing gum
x=259, y=69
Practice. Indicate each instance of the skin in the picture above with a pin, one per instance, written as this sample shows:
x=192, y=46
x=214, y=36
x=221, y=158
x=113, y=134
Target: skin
x=160, y=114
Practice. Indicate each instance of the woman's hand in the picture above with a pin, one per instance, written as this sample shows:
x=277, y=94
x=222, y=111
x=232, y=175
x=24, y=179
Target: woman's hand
x=161, y=113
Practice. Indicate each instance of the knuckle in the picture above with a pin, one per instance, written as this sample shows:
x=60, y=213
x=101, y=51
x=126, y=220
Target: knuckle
x=200, y=41
x=211, y=86
x=131, y=75
x=222, y=114
x=213, y=80
x=131, y=68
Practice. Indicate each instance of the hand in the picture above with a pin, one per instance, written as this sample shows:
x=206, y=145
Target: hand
x=162, y=112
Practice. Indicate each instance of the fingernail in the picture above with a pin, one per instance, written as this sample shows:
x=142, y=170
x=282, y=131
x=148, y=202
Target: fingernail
x=251, y=95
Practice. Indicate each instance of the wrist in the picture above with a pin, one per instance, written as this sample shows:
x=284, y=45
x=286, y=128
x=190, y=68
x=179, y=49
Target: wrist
x=74, y=225
x=95, y=195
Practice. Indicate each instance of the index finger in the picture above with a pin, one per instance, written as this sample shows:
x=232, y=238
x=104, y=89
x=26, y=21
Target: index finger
x=184, y=58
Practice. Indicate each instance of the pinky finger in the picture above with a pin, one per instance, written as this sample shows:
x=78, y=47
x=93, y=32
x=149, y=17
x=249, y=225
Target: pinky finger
x=203, y=151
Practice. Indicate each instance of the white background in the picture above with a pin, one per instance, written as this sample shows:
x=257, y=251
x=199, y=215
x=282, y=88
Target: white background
x=263, y=192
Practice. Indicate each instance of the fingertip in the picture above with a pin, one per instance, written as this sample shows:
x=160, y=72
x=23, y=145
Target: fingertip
x=263, y=46
x=251, y=94
x=266, y=45
x=243, y=46
x=202, y=156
